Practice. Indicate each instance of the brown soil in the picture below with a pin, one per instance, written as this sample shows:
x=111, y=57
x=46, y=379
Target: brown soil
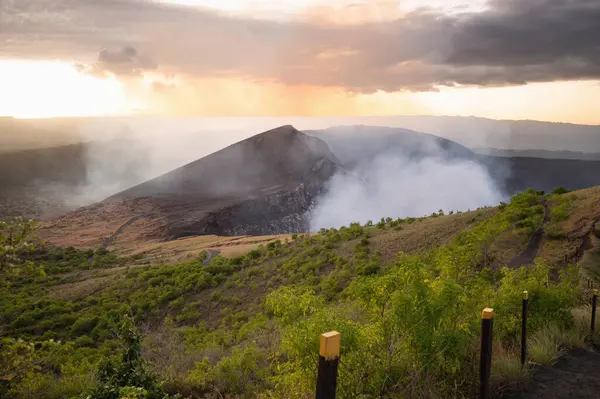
x=576, y=375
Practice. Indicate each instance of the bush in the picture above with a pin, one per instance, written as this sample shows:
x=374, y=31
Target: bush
x=127, y=374
x=84, y=341
x=239, y=374
x=560, y=191
x=368, y=269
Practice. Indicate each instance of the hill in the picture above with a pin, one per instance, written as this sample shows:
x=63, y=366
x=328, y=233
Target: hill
x=406, y=295
x=359, y=144
x=262, y=185
x=475, y=132
x=48, y=182
x=518, y=174
x=19, y=135
x=32, y=182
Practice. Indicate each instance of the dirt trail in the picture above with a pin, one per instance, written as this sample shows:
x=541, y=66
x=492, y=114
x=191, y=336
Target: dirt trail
x=576, y=375
x=108, y=241
x=210, y=254
x=530, y=253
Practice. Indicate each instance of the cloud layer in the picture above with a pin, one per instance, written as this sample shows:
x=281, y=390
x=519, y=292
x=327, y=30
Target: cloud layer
x=512, y=42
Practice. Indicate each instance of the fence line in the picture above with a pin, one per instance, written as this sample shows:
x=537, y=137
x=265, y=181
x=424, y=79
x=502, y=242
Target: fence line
x=329, y=352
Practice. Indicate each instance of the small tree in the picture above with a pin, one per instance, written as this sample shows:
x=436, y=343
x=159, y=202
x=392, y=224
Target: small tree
x=127, y=376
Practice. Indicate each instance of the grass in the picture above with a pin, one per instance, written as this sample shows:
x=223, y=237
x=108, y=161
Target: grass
x=590, y=262
x=420, y=235
x=508, y=375
x=548, y=344
x=177, y=251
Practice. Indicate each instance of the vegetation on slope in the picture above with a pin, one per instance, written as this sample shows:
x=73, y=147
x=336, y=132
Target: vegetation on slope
x=249, y=326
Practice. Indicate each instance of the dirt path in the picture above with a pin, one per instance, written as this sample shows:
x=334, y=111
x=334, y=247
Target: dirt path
x=211, y=253
x=576, y=375
x=108, y=241
x=533, y=247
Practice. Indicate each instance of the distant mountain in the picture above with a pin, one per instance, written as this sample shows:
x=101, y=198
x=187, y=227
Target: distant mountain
x=584, y=156
x=45, y=182
x=356, y=144
x=515, y=175
x=65, y=164
x=19, y=135
x=475, y=132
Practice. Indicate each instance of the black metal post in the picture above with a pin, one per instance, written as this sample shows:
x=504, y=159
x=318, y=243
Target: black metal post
x=329, y=357
x=485, y=362
x=594, y=301
x=524, y=329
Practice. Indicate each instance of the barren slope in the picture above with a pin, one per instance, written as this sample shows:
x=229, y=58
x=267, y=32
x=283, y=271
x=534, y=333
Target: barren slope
x=261, y=185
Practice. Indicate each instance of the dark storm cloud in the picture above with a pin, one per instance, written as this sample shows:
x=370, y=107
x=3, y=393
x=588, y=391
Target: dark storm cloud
x=538, y=39
x=127, y=61
x=513, y=42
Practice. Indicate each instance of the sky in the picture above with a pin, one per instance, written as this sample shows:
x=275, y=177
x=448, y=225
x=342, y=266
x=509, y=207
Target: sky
x=502, y=59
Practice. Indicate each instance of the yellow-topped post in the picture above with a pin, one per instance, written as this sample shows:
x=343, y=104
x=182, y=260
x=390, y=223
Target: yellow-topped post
x=485, y=361
x=487, y=314
x=330, y=345
x=329, y=357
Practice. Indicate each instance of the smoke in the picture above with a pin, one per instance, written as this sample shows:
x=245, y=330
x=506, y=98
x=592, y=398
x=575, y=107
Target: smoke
x=117, y=154
x=393, y=184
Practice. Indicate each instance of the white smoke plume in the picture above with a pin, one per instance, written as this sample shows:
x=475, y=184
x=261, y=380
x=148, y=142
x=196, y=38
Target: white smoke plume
x=394, y=185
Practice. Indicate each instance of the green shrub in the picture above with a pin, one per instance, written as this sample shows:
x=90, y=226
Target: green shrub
x=127, y=373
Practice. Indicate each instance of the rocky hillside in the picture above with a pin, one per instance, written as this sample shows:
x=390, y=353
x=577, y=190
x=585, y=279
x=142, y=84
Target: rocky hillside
x=262, y=185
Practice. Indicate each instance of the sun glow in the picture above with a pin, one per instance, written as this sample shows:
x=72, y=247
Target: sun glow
x=41, y=89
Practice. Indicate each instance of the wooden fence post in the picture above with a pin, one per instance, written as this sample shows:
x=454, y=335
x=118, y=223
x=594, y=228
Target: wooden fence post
x=485, y=361
x=524, y=328
x=594, y=301
x=329, y=357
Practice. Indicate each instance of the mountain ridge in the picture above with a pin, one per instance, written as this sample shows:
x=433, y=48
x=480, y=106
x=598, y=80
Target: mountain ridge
x=265, y=184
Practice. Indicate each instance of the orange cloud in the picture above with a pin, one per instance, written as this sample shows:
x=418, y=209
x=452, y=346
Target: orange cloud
x=236, y=97
x=352, y=12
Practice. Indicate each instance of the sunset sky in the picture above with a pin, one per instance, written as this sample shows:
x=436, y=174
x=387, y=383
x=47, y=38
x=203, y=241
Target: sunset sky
x=503, y=59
